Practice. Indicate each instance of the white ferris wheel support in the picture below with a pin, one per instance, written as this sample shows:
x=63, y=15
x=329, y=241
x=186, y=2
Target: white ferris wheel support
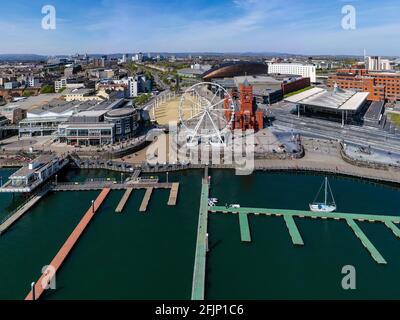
x=204, y=114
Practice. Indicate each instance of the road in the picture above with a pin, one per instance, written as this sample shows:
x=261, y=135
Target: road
x=316, y=128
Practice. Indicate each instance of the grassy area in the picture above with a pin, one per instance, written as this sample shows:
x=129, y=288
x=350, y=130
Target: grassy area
x=298, y=91
x=142, y=99
x=395, y=118
x=47, y=89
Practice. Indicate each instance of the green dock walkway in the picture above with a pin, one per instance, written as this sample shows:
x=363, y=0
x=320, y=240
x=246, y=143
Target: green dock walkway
x=288, y=215
x=394, y=228
x=365, y=241
x=244, y=227
x=199, y=273
x=308, y=214
x=294, y=231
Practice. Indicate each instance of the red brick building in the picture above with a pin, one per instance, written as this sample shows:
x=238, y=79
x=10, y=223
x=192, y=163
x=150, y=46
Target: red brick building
x=246, y=118
x=382, y=86
x=295, y=85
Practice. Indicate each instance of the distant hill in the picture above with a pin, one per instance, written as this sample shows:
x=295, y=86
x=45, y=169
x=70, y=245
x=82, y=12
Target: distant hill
x=21, y=57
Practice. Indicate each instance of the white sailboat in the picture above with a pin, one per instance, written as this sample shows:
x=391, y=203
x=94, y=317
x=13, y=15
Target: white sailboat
x=324, y=206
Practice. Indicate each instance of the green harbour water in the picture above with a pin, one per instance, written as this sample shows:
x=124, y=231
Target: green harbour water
x=151, y=256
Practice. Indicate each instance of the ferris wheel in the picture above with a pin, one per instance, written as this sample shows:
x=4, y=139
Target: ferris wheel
x=206, y=115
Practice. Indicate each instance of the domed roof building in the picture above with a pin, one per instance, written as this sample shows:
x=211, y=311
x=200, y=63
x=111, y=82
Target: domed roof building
x=235, y=69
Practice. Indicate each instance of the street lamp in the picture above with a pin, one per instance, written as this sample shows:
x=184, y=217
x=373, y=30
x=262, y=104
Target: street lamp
x=122, y=178
x=93, y=206
x=167, y=177
x=33, y=291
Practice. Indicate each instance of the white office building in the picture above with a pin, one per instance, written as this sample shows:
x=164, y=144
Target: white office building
x=304, y=70
x=32, y=82
x=60, y=84
x=123, y=59
x=138, y=57
x=376, y=63
x=133, y=87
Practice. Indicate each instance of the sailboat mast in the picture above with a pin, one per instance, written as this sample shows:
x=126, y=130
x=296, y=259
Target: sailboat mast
x=326, y=190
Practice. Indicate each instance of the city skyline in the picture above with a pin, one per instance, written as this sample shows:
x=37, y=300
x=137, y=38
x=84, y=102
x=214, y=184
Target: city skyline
x=201, y=26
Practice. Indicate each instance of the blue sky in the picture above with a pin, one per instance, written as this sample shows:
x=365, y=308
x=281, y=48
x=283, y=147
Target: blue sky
x=114, y=26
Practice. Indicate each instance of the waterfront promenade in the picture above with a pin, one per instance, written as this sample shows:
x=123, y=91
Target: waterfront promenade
x=320, y=157
x=318, y=162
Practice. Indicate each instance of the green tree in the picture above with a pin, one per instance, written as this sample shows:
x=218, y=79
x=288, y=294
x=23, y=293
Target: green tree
x=142, y=99
x=47, y=89
x=27, y=94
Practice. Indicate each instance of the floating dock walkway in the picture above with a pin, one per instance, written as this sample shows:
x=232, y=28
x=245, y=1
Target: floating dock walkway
x=365, y=241
x=393, y=227
x=288, y=215
x=244, y=227
x=293, y=231
x=68, y=245
x=173, y=196
x=124, y=200
x=146, y=200
x=199, y=273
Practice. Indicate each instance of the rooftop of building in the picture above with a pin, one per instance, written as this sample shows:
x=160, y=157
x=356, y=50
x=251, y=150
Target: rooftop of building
x=343, y=100
x=33, y=101
x=79, y=91
x=123, y=112
x=237, y=68
x=257, y=80
x=44, y=119
x=39, y=163
x=109, y=104
x=61, y=106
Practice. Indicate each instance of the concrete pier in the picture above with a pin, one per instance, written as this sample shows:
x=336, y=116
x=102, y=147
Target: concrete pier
x=58, y=260
x=173, y=196
x=294, y=231
x=124, y=200
x=146, y=200
x=365, y=241
x=244, y=227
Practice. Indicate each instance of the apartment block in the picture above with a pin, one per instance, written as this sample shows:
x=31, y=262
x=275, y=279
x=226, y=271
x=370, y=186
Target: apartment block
x=382, y=86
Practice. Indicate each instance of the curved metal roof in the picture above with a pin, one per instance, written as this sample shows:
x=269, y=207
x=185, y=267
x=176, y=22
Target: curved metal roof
x=234, y=69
